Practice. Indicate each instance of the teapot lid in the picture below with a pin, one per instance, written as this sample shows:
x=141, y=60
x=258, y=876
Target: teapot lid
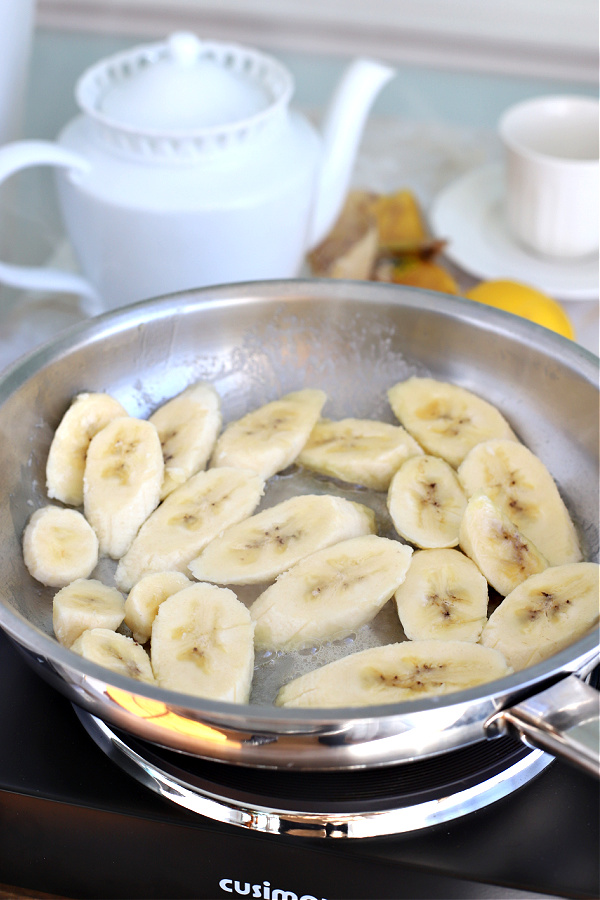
x=183, y=86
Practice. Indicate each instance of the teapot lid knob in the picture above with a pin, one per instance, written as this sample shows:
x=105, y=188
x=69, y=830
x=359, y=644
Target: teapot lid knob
x=184, y=47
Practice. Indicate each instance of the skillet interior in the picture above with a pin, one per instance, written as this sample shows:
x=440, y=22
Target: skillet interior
x=255, y=342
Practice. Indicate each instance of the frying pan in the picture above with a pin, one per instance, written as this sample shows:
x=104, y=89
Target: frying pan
x=256, y=341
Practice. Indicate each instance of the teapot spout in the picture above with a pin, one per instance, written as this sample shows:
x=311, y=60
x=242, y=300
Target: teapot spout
x=342, y=130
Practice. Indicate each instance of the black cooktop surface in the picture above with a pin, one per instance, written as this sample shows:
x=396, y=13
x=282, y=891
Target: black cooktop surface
x=74, y=824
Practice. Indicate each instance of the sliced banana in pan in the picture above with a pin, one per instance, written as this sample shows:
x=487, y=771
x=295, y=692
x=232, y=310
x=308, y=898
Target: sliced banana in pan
x=501, y=552
x=59, y=545
x=85, y=417
x=187, y=426
x=395, y=673
x=84, y=604
x=269, y=438
x=122, y=481
x=426, y=502
x=545, y=614
x=202, y=644
x=185, y=522
x=146, y=596
x=446, y=420
x=358, y=451
x=519, y=483
x=116, y=652
x=265, y=545
x=444, y=597
x=330, y=593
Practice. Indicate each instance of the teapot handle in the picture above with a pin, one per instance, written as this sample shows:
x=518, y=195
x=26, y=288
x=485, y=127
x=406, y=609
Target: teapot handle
x=22, y=155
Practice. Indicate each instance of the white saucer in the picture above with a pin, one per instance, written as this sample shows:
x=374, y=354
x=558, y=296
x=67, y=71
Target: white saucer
x=468, y=214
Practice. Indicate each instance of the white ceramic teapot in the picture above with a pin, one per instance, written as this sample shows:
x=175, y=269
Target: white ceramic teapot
x=187, y=167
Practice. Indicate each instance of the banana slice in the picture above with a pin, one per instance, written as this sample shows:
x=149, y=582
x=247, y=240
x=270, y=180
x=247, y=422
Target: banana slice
x=520, y=485
x=358, y=451
x=187, y=426
x=545, y=614
x=146, y=596
x=426, y=502
x=444, y=597
x=122, y=481
x=265, y=545
x=329, y=594
x=497, y=547
x=447, y=420
x=59, y=545
x=185, y=522
x=202, y=644
x=86, y=416
x=84, y=604
x=116, y=652
x=395, y=673
x=269, y=438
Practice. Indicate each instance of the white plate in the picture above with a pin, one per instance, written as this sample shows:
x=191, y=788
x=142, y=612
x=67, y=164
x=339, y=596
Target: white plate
x=468, y=214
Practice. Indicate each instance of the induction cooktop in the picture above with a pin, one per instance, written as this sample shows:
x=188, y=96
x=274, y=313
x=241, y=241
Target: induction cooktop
x=75, y=823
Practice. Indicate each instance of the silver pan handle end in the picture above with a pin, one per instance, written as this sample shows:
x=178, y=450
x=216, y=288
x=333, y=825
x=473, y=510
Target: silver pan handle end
x=563, y=720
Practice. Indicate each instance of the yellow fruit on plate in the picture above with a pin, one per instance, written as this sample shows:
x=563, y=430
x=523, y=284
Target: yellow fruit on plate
x=524, y=301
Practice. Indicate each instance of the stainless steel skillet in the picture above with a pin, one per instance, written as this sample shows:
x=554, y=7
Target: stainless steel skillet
x=256, y=341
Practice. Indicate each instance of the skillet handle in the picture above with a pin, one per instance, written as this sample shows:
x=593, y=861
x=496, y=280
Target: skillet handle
x=563, y=720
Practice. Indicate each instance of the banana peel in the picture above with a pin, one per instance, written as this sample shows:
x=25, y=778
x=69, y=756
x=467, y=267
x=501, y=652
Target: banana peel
x=382, y=237
x=350, y=249
x=400, y=224
x=412, y=270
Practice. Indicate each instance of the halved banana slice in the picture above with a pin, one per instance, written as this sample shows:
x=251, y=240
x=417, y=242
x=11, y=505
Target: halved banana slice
x=86, y=416
x=122, y=481
x=265, y=545
x=269, y=438
x=497, y=547
x=545, y=614
x=426, y=502
x=519, y=483
x=146, y=596
x=59, y=545
x=395, y=673
x=330, y=593
x=116, y=652
x=358, y=451
x=447, y=420
x=84, y=604
x=202, y=644
x=185, y=522
x=187, y=426
x=444, y=597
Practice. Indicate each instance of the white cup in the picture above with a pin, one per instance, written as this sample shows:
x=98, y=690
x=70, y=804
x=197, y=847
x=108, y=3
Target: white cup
x=551, y=155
